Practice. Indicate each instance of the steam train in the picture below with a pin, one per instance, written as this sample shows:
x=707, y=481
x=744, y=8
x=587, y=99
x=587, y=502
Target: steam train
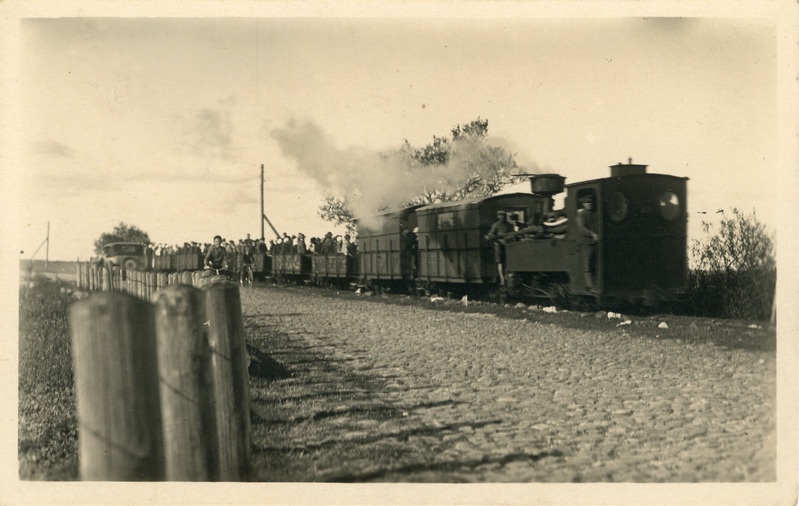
x=639, y=258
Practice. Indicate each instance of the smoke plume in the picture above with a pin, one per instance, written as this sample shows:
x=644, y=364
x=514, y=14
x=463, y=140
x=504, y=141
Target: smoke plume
x=370, y=181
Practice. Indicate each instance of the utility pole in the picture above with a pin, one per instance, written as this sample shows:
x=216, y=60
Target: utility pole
x=262, y=203
x=47, y=250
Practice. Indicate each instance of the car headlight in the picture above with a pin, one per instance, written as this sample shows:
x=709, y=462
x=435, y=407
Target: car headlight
x=669, y=205
x=618, y=206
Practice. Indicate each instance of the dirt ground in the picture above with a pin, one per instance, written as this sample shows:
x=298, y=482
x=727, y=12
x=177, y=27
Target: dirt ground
x=368, y=389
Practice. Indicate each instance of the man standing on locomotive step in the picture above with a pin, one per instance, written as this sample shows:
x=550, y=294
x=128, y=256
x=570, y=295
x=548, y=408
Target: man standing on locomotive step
x=587, y=225
x=497, y=234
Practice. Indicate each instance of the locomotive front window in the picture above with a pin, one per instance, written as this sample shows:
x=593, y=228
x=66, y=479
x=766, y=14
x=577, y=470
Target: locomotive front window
x=618, y=206
x=669, y=205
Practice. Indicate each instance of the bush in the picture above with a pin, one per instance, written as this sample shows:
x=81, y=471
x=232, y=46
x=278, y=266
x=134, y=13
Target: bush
x=736, y=274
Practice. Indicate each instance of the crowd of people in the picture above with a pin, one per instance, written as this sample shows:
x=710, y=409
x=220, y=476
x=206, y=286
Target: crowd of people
x=248, y=247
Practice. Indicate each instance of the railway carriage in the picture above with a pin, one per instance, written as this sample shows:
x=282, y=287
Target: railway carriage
x=452, y=243
x=384, y=258
x=336, y=268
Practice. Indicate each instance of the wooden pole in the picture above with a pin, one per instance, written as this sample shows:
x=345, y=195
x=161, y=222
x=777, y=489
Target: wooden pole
x=78, y=273
x=184, y=360
x=162, y=280
x=116, y=382
x=231, y=381
x=106, y=273
x=262, y=202
x=152, y=282
x=47, y=250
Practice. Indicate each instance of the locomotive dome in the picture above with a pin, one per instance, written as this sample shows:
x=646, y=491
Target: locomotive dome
x=628, y=169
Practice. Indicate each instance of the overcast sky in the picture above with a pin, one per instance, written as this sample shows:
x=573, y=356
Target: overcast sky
x=163, y=123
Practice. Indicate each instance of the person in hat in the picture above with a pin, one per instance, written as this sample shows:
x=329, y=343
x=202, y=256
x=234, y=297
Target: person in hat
x=302, y=248
x=328, y=244
x=498, y=232
x=588, y=226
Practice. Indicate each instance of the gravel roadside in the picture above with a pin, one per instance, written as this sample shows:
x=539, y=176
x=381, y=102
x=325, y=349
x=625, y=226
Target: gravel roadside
x=349, y=389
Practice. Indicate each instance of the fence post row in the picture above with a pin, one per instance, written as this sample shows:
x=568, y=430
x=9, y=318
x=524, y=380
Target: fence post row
x=162, y=389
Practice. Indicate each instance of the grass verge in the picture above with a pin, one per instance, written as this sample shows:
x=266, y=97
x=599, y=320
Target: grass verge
x=47, y=431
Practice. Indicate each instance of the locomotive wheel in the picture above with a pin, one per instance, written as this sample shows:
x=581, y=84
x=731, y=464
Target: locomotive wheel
x=558, y=294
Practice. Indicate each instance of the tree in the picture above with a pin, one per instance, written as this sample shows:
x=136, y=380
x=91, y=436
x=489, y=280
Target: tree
x=335, y=209
x=121, y=233
x=460, y=166
x=736, y=268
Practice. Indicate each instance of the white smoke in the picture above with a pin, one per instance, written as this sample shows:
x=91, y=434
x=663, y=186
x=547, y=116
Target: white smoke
x=370, y=181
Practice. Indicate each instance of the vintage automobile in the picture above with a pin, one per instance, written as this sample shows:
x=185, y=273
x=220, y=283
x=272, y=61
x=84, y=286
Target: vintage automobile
x=129, y=255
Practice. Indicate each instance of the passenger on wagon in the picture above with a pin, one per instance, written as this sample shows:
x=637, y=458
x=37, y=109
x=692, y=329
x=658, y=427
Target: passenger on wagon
x=302, y=249
x=350, y=249
x=328, y=244
x=497, y=234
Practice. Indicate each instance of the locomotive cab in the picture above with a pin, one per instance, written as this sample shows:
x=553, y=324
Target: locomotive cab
x=641, y=221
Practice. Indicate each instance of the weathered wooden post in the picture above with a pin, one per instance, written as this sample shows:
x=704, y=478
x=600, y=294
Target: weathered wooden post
x=128, y=282
x=133, y=281
x=184, y=363
x=78, y=278
x=185, y=278
x=107, y=285
x=151, y=285
x=116, y=382
x=231, y=380
x=162, y=280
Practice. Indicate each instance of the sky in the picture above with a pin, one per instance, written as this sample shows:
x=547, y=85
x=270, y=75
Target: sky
x=164, y=122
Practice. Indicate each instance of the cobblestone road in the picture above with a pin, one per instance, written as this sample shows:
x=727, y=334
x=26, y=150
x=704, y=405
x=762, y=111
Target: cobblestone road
x=357, y=390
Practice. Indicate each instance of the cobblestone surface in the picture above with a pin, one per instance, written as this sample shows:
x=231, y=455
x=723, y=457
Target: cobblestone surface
x=357, y=390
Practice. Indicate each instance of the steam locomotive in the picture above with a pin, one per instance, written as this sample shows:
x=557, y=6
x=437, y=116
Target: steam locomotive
x=639, y=256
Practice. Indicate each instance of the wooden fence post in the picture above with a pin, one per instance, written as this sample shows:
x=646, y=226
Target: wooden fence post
x=184, y=362
x=161, y=280
x=107, y=286
x=116, y=382
x=151, y=285
x=231, y=380
x=128, y=282
x=78, y=273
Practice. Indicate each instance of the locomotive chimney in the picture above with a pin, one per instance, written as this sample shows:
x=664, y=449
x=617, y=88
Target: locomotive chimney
x=546, y=185
x=628, y=169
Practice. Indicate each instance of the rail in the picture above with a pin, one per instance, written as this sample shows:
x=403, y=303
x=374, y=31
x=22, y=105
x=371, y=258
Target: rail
x=161, y=377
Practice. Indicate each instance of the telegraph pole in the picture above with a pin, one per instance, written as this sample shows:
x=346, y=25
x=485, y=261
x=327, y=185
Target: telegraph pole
x=47, y=250
x=262, y=203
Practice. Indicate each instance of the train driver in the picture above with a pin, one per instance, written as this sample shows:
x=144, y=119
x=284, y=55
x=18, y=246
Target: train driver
x=588, y=226
x=497, y=234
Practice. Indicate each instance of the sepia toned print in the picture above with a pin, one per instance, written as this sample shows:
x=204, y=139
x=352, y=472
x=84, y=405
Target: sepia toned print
x=377, y=257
